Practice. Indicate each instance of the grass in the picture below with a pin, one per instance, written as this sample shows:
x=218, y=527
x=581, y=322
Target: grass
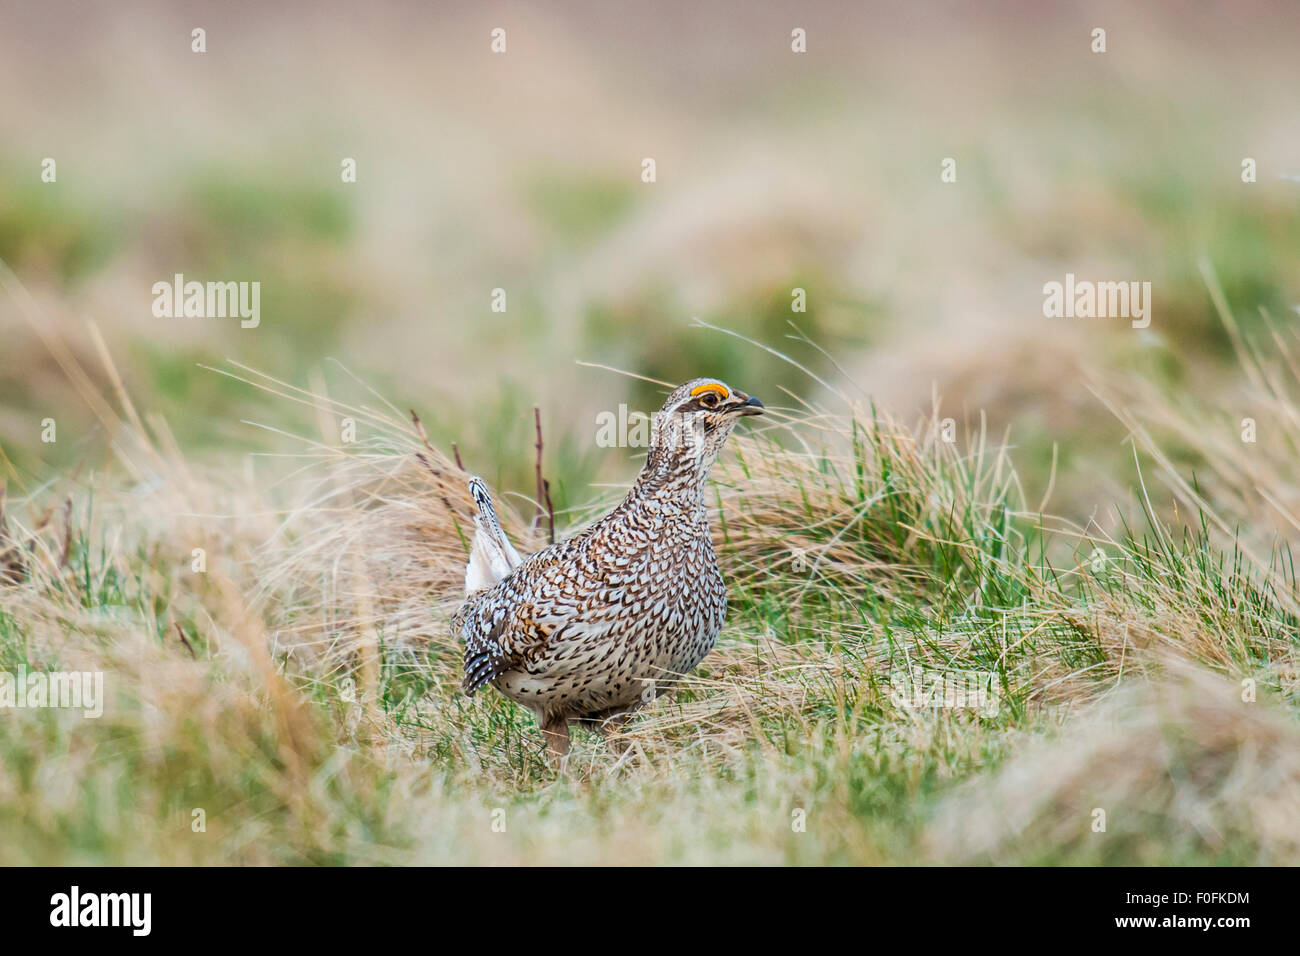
x=1115, y=576
x=296, y=701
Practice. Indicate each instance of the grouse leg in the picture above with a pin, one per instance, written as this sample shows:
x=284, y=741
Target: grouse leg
x=556, y=732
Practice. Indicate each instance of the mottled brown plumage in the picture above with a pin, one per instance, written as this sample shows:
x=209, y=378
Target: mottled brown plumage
x=595, y=626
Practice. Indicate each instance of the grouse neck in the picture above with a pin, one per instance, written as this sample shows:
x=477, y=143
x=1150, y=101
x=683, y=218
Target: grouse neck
x=667, y=479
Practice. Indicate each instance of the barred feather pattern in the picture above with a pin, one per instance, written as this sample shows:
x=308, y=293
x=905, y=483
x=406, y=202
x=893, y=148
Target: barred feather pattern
x=611, y=618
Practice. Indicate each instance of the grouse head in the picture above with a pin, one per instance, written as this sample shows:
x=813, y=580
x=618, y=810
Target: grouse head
x=693, y=425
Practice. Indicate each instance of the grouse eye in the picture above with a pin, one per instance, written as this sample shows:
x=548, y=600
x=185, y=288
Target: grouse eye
x=709, y=399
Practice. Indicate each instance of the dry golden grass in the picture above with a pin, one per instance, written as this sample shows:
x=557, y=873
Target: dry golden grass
x=1184, y=770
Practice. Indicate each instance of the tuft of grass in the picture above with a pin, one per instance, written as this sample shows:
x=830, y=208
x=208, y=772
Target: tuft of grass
x=1177, y=772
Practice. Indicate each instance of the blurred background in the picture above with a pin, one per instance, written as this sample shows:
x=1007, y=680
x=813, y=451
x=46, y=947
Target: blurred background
x=522, y=171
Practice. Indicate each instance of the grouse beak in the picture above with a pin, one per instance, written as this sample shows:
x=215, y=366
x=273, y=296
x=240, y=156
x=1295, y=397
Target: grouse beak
x=750, y=405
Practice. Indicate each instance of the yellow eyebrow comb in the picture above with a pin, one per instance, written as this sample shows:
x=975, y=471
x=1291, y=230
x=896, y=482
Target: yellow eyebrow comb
x=709, y=387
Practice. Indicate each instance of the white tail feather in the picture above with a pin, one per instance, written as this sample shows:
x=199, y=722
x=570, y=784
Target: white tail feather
x=491, y=555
